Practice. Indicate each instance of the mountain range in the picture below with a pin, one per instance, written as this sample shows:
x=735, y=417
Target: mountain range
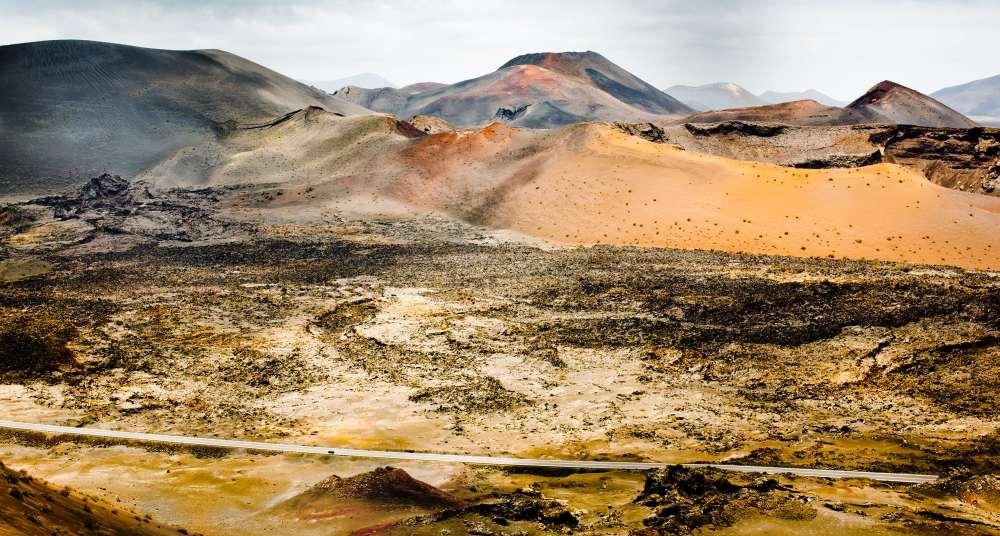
x=73, y=109
x=884, y=103
x=777, y=97
x=533, y=90
x=715, y=96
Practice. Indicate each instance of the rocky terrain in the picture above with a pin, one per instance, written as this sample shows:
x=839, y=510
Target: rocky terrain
x=424, y=333
x=961, y=159
x=263, y=261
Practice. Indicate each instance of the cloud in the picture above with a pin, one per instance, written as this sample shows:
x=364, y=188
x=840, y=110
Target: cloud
x=841, y=48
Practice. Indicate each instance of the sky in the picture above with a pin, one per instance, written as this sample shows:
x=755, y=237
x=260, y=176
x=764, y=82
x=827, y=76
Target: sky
x=841, y=48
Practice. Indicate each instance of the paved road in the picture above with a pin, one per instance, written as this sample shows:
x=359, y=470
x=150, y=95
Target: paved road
x=453, y=458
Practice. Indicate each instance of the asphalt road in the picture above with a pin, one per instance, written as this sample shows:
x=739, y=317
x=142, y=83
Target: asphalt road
x=449, y=458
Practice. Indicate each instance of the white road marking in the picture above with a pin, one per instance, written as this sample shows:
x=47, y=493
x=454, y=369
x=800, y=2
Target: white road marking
x=450, y=458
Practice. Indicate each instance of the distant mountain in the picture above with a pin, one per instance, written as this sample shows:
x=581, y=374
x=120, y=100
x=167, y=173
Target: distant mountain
x=802, y=113
x=70, y=110
x=540, y=90
x=421, y=87
x=885, y=103
x=889, y=102
x=717, y=96
x=365, y=80
x=979, y=99
x=778, y=97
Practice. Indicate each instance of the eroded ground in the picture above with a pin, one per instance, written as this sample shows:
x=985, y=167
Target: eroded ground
x=425, y=334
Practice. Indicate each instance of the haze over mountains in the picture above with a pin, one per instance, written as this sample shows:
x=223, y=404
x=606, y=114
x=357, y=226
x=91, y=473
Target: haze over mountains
x=778, y=97
x=979, y=99
x=364, y=80
x=715, y=96
x=72, y=109
x=533, y=90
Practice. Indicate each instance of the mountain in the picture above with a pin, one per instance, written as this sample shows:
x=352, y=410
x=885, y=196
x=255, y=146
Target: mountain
x=802, y=113
x=885, y=103
x=890, y=103
x=778, y=97
x=420, y=87
x=533, y=90
x=717, y=96
x=979, y=99
x=73, y=109
x=365, y=80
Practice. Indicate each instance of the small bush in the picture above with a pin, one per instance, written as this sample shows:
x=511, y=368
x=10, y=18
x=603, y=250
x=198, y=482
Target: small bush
x=32, y=344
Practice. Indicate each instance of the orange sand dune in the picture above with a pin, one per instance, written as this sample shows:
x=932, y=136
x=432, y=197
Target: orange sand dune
x=590, y=184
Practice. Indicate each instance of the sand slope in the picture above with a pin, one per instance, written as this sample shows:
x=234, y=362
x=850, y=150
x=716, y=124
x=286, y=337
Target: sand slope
x=73, y=109
x=591, y=183
x=29, y=506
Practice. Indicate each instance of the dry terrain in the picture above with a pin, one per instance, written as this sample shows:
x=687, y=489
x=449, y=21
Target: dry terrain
x=424, y=333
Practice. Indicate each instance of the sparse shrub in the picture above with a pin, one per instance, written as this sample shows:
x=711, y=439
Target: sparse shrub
x=32, y=344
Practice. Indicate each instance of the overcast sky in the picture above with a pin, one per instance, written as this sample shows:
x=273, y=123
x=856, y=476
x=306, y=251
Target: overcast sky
x=839, y=47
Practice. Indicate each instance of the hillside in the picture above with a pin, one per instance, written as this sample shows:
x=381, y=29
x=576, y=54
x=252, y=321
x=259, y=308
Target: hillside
x=73, y=109
x=717, y=96
x=534, y=90
x=30, y=507
x=891, y=103
x=592, y=184
x=801, y=113
x=979, y=99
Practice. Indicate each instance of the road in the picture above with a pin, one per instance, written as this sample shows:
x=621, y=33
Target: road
x=450, y=458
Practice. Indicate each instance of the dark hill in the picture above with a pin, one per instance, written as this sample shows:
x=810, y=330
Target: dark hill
x=73, y=109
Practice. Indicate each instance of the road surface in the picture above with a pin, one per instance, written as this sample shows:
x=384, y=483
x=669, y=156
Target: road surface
x=451, y=458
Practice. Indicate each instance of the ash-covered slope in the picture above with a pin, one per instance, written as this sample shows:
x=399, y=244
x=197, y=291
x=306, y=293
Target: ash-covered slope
x=979, y=99
x=534, y=90
x=717, y=96
x=890, y=103
x=607, y=76
x=72, y=109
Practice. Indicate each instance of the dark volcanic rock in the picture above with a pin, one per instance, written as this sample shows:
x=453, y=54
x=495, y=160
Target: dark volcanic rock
x=737, y=127
x=686, y=499
x=387, y=485
x=646, y=131
x=964, y=159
